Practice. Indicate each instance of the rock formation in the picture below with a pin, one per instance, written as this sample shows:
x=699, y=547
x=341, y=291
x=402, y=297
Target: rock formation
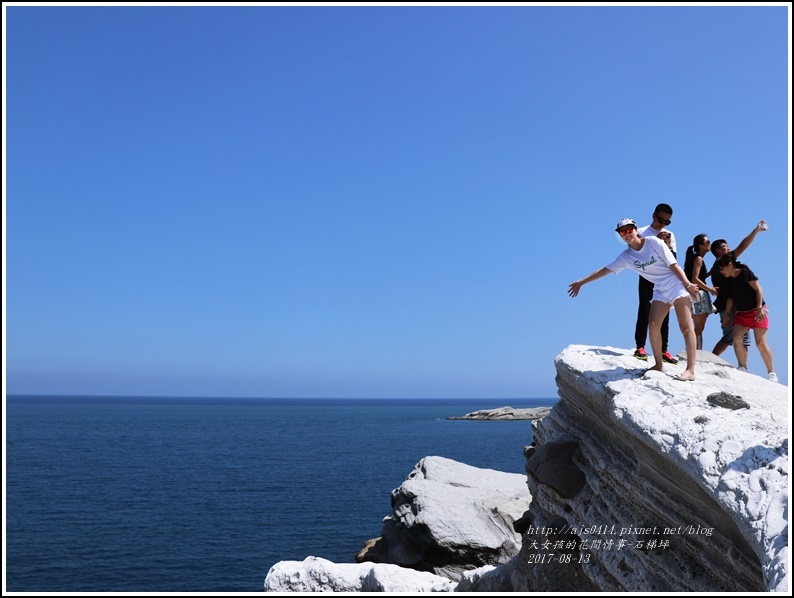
x=645, y=483
x=506, y=413
x=319, y=575
x=448, y=517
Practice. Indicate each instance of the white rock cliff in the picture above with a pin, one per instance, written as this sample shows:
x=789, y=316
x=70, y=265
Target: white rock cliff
x=645, y=483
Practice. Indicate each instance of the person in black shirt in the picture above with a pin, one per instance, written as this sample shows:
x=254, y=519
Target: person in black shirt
x=746, y=295
x=719, y=248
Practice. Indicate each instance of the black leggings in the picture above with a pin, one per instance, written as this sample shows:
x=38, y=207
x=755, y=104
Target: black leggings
x=643, y=312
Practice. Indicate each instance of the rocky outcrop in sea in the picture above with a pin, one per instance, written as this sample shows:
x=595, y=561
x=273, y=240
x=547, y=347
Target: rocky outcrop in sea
x=506, y=414
x=449, y=517
x=639, y=482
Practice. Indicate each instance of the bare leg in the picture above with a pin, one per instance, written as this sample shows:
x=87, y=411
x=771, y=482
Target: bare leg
x=738, y=345
x=658, y=312
x=720, y=347
x=700, y=325
x=683, y=311
x=763, y=348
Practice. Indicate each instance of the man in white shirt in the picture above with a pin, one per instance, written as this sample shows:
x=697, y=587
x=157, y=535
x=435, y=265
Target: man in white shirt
x=661, y=218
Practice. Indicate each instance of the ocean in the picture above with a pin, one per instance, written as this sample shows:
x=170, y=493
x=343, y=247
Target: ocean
x=205, y=495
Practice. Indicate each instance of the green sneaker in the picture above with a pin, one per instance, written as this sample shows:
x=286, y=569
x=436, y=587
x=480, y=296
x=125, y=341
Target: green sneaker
x=641, y=354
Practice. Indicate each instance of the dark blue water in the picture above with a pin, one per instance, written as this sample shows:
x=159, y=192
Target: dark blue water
x=205, y=495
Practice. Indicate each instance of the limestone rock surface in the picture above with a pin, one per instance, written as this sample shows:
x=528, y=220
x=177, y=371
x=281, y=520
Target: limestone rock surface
x=640, y=483
x=314, y=574
x=449, y=517
x=506, y=413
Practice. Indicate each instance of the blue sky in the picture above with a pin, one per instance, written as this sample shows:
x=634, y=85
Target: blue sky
x=370, y=201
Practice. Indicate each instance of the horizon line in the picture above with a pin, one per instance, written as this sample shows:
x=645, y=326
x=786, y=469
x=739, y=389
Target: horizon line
x=280, y=398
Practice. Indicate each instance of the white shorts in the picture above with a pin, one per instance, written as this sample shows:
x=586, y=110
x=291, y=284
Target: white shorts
x=669, y=296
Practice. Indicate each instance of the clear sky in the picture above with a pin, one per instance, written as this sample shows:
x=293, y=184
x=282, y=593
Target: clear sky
x=371, y=201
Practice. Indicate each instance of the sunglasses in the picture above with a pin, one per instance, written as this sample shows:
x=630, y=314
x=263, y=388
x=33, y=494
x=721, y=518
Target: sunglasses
x=625, y=231
x=662, y=220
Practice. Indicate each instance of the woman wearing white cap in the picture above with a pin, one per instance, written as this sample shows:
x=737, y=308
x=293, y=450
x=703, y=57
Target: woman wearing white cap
x=652, y=259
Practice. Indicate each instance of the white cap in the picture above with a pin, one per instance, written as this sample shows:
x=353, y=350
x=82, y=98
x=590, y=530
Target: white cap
x=625, y=222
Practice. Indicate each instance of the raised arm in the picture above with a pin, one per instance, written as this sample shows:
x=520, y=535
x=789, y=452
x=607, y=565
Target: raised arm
x=747, y=241
x=573, y=288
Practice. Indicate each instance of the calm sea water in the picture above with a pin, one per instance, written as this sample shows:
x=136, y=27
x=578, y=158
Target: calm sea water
x=205, y=495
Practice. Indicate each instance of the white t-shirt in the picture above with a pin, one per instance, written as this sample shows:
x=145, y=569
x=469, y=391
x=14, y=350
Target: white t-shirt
x=647, y=231
x=652, y=262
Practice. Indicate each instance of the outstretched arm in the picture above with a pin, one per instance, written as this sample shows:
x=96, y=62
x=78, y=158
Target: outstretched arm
x=747, y=241
x=573, y=288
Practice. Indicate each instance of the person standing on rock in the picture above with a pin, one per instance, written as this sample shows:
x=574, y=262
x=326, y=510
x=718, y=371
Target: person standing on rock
x=652, y=259
x=719, y=248
x=661, y=219
x=747, y=297
x=696, y=271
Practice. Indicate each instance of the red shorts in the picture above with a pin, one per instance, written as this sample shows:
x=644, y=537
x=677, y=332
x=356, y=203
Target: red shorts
x=747, y=319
